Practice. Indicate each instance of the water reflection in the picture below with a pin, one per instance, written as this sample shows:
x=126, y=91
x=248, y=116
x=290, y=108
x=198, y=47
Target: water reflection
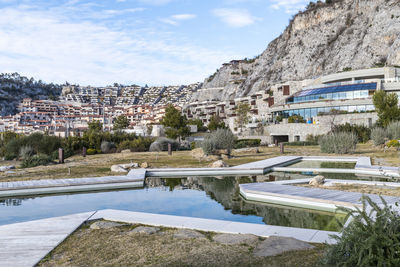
x=226, y=192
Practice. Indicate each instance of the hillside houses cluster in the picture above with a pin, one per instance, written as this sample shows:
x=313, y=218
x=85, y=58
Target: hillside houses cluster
x=79, y=105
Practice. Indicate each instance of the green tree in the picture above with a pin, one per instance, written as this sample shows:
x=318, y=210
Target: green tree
x=242, y=113
x=386, y=106
x=95, y=126
x=121, y=122
x=216, y=123
x=175, y=123
x=199, y=123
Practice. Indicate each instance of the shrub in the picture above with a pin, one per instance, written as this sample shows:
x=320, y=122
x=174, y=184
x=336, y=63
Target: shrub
x=161, y=144
x=393, y=143
x=313, y=138
x=371, y=239
x=378, y=136
x=339, y=143
x=91, y=151
x=107, y=147
x=36, y=160
x=363, y=133
x=393, y=130
x=296, y=119
x=242, y=143
x=208, y=145
x=26, y=152
x=220, y=139
x=301, y=143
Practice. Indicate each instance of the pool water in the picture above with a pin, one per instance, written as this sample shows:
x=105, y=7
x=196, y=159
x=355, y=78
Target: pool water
x=210, y=198
x=323, y=164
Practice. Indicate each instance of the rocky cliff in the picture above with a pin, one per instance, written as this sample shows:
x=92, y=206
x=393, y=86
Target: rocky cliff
x=14, y=88
x=324, y=39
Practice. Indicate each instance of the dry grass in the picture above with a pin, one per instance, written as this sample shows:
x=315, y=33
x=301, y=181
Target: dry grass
x=118, y=247
x=99, y=165
x=366, y=189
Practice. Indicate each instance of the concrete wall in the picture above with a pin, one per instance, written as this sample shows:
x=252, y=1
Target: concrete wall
x=295, y=129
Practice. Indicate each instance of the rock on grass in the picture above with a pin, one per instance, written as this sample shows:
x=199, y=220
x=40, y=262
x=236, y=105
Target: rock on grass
x=276, y=245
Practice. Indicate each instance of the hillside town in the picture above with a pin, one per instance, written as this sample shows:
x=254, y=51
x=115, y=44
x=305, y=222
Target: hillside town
x=285, y=112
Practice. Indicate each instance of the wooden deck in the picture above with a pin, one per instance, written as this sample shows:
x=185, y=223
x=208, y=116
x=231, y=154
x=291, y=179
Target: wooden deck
x=312, y=198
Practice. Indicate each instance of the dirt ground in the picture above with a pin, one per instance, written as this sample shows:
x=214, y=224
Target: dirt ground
x=118, y=247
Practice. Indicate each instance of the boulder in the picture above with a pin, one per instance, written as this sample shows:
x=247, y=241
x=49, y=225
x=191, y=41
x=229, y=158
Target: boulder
x=105, y=225
x=145, y=230
x=187, y=234
x=235, y=239
x=276, y=245
x=218, y=164
x=144, y=165
x=198, y=153
x=122, y=168
x=6, y=168
x=126, y=151
x=317, y=180
x=118, y=168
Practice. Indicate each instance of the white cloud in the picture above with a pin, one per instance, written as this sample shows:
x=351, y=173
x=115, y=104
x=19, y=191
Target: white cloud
x=290, y=6
x=235, y=17
x=183, y=16
x=156, y=2
x=174, y=19
x=50, y=46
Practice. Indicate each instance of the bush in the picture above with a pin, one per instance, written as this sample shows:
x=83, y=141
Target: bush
x=371, y=239
x=313, y=138
x=378, y=136
x=220, y=139
x=36, y=160
x=208, y=145
x=393, y=130
x=161, y=144
x=363, y=133
x=338, y=143
x=107, y=147
x=26, y=152
x=296, y=119
x=242, y=143
x=301, y=143
x=393, y=143
x=91, y=151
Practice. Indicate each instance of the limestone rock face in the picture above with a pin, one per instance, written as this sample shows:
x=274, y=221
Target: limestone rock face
x=123, y=168
x=324, y=40
x=105, y=225
x=187, y=234
x=317, y=180
x=145, y=230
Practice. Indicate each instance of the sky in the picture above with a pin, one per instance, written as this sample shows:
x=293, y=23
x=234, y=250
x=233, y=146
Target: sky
x=154, y=42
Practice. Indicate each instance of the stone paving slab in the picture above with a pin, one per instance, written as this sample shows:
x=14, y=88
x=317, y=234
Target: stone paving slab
x=25, y=244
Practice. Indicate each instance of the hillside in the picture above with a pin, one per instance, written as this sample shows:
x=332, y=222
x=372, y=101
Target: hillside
x=14, y=88
x=324, y=39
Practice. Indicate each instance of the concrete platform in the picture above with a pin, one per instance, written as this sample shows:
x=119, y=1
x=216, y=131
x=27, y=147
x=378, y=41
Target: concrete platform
x=25, y=244
x=311, y=198
x=219, y=226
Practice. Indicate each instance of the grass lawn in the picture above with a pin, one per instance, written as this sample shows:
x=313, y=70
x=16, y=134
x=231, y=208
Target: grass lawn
x=118, y=247
x=99, y=165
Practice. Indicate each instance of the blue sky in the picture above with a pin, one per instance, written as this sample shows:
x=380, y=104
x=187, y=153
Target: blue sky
x=155, y=42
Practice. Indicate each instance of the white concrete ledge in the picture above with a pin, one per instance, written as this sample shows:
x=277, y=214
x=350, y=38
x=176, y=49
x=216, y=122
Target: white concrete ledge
x=219, y=226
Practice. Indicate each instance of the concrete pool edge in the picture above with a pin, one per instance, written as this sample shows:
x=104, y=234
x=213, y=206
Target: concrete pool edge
x=27, y=243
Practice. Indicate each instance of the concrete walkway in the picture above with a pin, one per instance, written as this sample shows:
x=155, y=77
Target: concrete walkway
x=25, y=244
x=304, y=197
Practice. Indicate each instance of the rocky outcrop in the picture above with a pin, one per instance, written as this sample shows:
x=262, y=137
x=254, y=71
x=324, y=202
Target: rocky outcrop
x=325, y=39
